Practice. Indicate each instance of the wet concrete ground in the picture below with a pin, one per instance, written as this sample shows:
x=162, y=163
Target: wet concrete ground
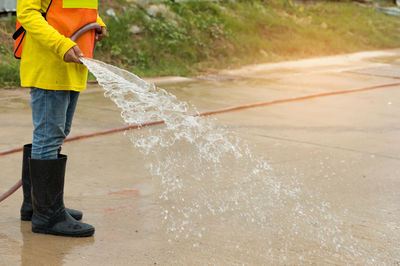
x=345, y=149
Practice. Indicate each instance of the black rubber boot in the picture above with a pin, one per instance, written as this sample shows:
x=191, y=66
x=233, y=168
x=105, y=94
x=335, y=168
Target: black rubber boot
x=26, y=208
x=49, y=214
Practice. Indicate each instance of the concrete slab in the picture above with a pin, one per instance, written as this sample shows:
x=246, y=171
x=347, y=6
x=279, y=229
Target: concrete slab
x=343, y=151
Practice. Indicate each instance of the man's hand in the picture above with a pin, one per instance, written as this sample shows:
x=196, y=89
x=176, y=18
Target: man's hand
x=73, y=54
x=101, y=34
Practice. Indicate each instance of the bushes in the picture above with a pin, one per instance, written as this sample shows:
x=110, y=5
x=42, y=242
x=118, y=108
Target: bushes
x=179, y=34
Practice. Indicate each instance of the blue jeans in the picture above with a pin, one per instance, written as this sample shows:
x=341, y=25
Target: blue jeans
x=52, y=113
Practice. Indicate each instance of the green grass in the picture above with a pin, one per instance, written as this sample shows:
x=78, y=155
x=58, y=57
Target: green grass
x=9, y=68
x=189, y=38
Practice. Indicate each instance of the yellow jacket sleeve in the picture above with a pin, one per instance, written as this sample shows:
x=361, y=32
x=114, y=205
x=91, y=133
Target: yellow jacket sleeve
x=30, y=17
x=100, y=21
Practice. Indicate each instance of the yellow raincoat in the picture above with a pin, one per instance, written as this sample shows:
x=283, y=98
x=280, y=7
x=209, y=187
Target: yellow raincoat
x=42, y=60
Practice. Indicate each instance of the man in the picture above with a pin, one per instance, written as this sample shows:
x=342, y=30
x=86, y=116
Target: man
x=50, y=66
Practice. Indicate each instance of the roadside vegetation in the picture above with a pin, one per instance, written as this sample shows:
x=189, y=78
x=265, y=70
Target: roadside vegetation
x=195, y=37
x=9, y=67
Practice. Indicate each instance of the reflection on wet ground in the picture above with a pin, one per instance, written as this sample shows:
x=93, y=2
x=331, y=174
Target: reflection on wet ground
x=342, y=151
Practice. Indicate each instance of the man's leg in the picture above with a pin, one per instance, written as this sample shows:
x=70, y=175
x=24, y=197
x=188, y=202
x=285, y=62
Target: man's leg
x=47, y=167
x=73, y=100
x=26, y=208
x=49, y=110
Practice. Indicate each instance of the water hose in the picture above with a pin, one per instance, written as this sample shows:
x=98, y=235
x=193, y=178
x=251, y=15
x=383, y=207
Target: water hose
x=90, y=26
x=87, y=27
x=214, y=112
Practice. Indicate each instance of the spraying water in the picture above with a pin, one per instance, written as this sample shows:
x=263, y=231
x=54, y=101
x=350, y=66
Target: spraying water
x=205, y=172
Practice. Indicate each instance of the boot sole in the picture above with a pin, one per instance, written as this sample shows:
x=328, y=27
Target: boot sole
x=27, y=217
x=51, y=232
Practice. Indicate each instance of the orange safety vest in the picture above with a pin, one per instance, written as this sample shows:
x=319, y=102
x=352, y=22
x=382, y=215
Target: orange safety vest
x=66, y=21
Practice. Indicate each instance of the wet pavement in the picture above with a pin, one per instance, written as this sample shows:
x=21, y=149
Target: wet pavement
x=344, y=149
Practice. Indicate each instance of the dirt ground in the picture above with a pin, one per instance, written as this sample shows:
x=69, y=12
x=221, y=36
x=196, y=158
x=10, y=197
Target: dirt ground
x=343, y=149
